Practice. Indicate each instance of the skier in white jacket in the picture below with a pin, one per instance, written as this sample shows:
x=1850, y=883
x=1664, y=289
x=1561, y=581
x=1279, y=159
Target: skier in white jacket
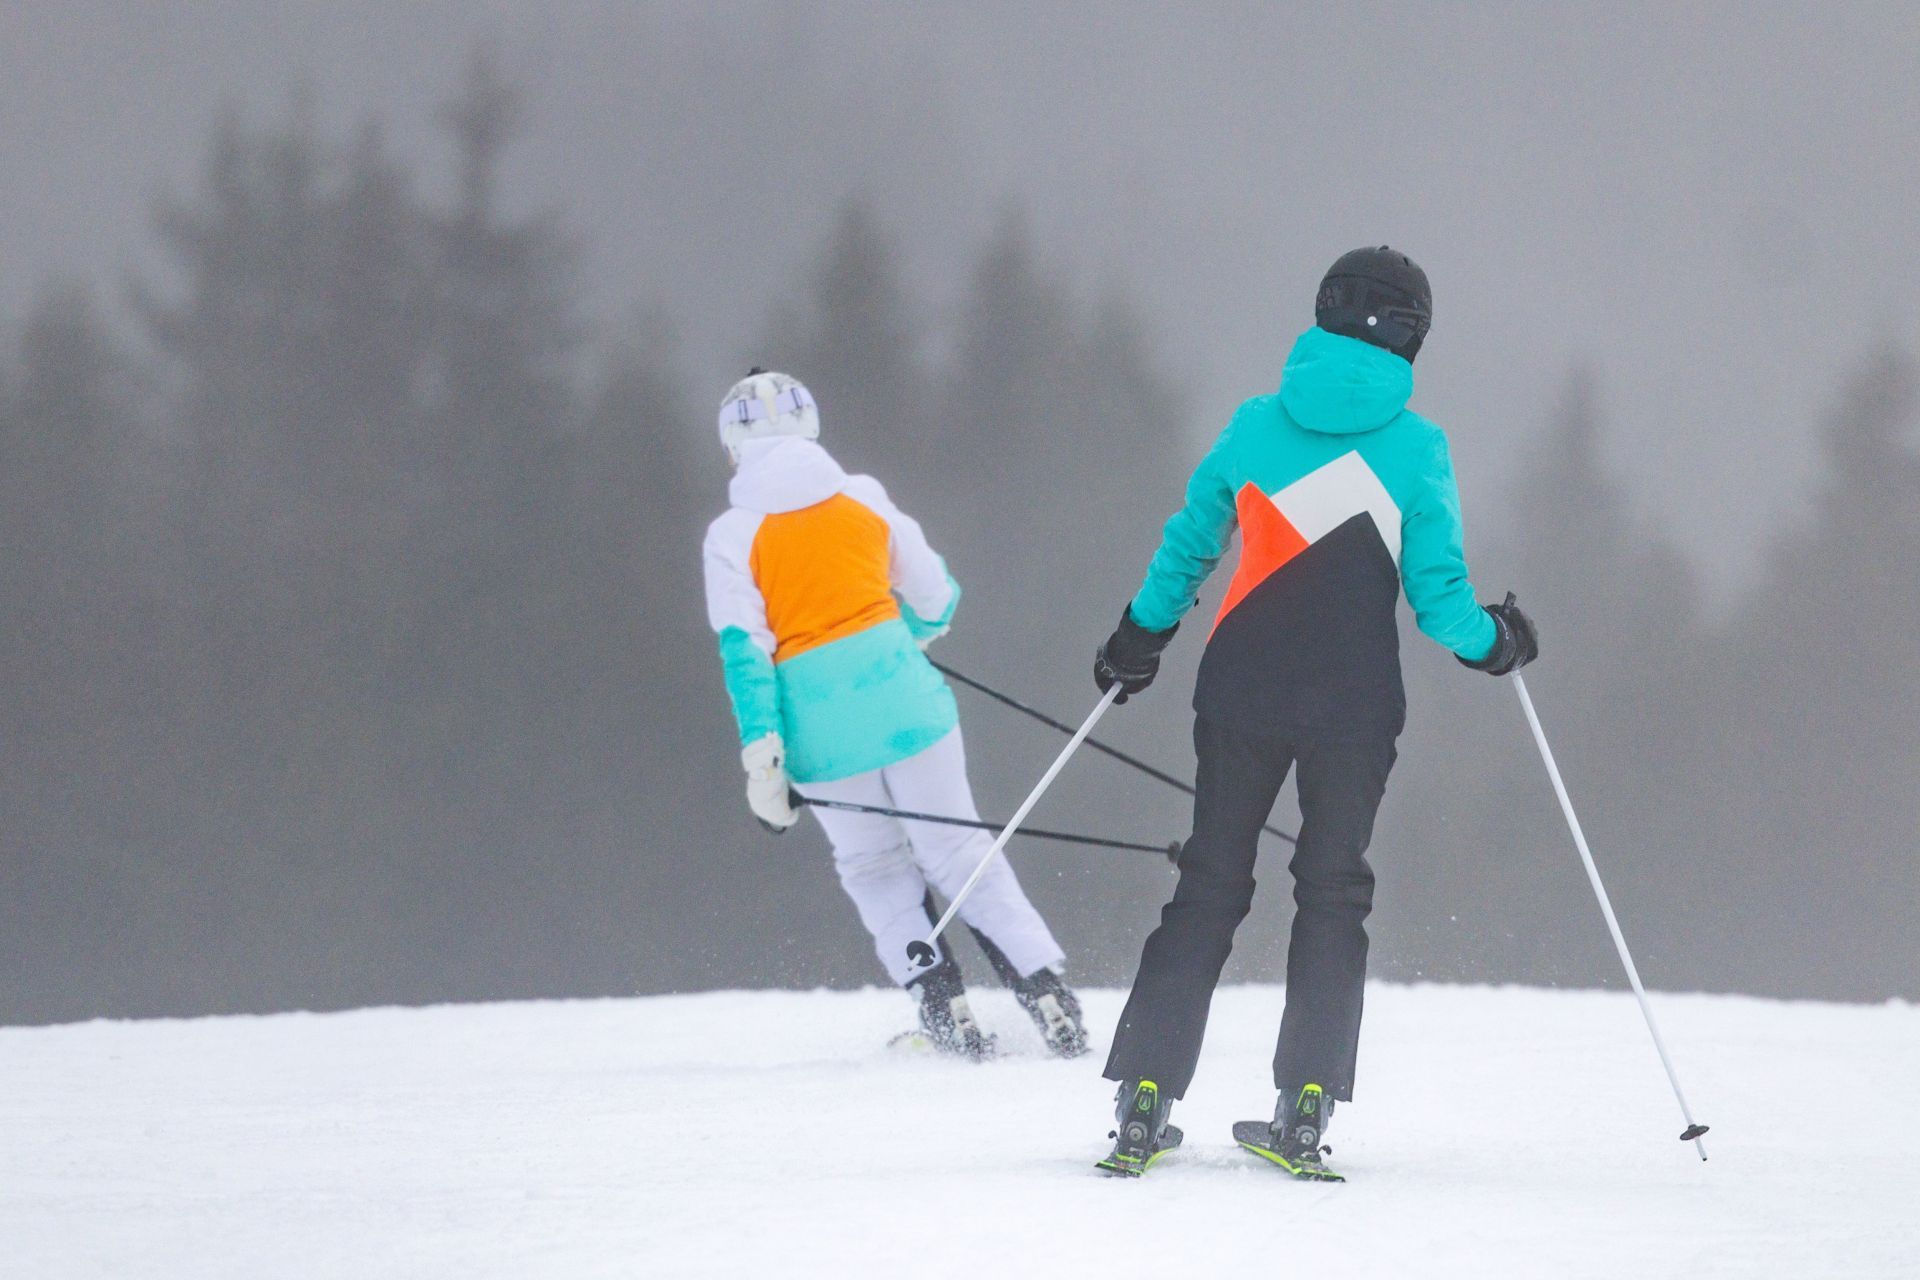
x=824, y=594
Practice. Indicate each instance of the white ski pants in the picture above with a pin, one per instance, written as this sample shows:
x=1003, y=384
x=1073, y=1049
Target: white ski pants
x=886, y=864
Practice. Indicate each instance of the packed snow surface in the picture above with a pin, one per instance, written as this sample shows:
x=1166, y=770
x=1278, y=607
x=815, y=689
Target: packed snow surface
x=1497, y=1132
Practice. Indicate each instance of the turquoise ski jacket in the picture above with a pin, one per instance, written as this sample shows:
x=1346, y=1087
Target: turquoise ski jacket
x=1342, y=497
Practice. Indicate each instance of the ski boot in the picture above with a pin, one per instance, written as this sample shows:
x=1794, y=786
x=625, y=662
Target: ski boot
x=1050, y=1002
x=1143, y=1135
x=1046, y=997
x=1293, y=1139
x=945, y=1015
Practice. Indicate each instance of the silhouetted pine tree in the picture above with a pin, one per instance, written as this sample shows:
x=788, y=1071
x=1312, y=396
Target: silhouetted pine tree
x=1063, y=449
x=1817, y=710
x=504, y=331
x=84, y=657
x=298, y=341
x=854, y=339
x=500, y=571
x=62, y=499
x=1483, y=848
x=249, y=254
x=1074, y=449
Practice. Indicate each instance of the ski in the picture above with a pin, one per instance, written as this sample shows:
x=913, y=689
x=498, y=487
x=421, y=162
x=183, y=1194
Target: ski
x=917, y=1043
x=1121, y=1165
x=913, y=1041
x=1256, y=1137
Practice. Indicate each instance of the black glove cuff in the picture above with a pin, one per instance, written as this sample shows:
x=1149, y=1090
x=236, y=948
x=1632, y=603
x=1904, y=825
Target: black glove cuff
x=1500, y=657
x=1133, y=643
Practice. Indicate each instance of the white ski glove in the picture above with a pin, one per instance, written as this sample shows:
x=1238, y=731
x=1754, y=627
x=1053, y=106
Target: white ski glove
x=765, y=760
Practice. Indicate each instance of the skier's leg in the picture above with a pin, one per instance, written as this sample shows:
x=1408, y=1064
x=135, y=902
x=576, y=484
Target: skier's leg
x=876, y=868
x=935, y=781
x=945, y=1013
x=1341, y=784
x=1166, y=1016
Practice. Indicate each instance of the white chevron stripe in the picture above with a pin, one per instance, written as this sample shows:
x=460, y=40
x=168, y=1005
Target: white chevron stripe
x=1323, y=500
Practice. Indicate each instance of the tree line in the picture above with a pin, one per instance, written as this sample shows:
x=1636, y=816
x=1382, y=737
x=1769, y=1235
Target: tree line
x=354, y=649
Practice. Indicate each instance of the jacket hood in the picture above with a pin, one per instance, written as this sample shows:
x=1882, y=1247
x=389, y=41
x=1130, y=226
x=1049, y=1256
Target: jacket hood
x=784, y=473
x=1340, y=386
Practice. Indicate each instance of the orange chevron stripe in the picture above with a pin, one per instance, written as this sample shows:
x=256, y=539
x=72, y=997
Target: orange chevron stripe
x=1267, y=541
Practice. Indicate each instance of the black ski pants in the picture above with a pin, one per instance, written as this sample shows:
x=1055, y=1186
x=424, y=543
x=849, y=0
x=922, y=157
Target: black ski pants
x=1240, y=773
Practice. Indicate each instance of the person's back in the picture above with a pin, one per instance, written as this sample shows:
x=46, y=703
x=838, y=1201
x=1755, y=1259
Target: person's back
x=822, y=590
x=1335, y=481
x=823, y=570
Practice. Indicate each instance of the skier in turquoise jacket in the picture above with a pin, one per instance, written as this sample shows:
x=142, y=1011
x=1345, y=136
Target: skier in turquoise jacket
x=1342, y=497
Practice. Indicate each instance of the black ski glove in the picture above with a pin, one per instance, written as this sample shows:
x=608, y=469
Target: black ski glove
x=1516, y=644
x=1131, y=656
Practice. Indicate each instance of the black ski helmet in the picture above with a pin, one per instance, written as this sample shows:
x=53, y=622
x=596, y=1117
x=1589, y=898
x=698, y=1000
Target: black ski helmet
x=1379, y=296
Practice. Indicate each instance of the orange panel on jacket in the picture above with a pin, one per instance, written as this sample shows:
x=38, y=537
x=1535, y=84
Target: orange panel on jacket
x=824, y=573
x=1267, y=541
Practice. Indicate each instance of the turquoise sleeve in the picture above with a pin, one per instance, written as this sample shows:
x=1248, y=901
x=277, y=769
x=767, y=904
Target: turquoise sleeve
x=1191, y=545
x=928, y=628
x=1433, y=565
x=751, y=684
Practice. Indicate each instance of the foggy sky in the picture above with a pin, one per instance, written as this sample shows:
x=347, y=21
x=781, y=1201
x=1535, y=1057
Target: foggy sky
x=1711, y=205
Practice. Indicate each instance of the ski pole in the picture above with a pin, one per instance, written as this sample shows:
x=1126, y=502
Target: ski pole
x=920, y=950
x=1171, y=850
x=1694, y=1129
x=1095, y=743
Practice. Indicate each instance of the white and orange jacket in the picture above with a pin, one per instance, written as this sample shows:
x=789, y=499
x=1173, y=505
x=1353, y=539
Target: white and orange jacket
x=822, y=592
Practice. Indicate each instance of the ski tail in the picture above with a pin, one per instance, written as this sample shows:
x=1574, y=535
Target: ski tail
x=1256, y=1137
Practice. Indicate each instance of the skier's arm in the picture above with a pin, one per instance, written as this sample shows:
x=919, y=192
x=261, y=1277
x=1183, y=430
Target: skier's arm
x=738, y=612
x=927, y=593
x=1433, y=564
x=1191, y=545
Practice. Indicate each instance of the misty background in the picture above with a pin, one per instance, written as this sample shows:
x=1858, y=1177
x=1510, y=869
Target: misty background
x=356, y=442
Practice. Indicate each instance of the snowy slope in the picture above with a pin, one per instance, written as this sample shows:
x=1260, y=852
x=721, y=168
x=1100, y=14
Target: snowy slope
x=1498, y=1132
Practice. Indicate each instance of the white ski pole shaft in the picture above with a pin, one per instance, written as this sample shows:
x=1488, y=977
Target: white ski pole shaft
x=1694, y=1129
x=921, y=951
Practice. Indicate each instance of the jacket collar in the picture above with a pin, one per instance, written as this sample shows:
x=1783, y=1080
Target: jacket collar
x=784, y=473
